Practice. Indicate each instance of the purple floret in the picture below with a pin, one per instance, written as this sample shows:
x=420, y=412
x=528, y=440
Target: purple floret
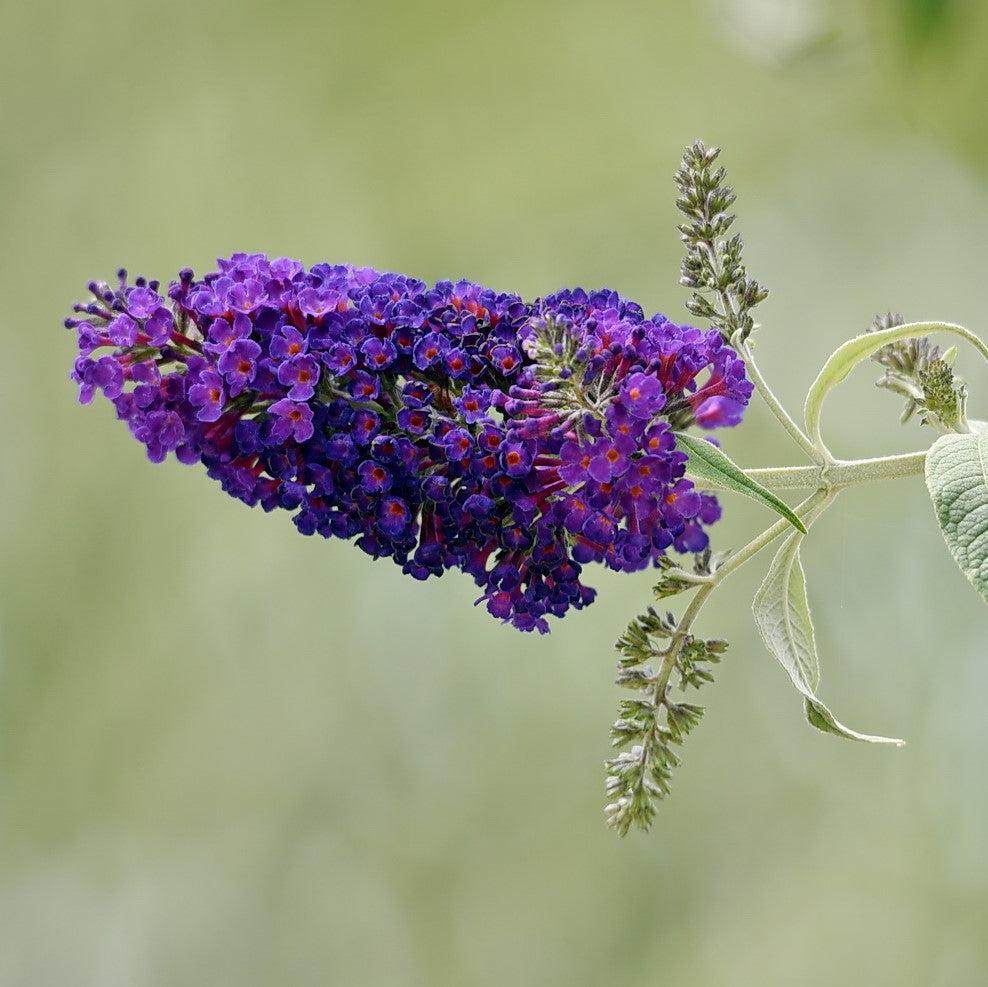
x=292, y=421
x=208, y=395
x=238, y=364
x=300, y=375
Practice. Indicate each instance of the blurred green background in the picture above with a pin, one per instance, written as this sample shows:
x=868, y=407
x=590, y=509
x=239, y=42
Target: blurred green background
x=233, y=756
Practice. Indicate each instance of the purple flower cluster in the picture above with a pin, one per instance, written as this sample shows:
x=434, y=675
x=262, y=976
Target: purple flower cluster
x=444, y=426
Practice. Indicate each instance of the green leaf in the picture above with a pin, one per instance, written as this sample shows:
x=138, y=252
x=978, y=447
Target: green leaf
x=847, y=356
x=782, y=616
x=707, y=463
x=957, y=477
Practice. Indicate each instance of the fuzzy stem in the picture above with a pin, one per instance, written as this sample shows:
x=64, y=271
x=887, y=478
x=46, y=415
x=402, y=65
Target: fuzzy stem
x=821, y=499
x=843, y=473
x=848, y=355
x=774, y=404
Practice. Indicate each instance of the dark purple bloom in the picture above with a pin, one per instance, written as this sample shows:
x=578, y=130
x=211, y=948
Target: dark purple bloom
x=416, y=394
x=160, y=431
x=479, y=505
x=284, y=268
x=506, y=360
x=378, y=353
x=300, y=374
x=606, y=461
x=576, y=512
x=643, y=396
x=650, y=472
x=159, y=326
x=145, y=372
x=340, y=358
x=575, y=461
x=395, y=515
x=374, y=478
x=683, y=500
x=365, y=426
x=245, y=296
x=173, y=388
x=247, y=435
x=123, y=330
x=89, y=338
x=415, y=421
x=692, y=539
x=341, y=449
x=458, y=443
x=292, y=420
x=516, y=458
x=105, y=374
x=709, y=512
x=600, y=528
x=429, y=350
x=204, y=301
x=288, y=342
x=239, y=364
x=457, y=363
x=624, y=428
x=141, y=302
x=317, y=302
x=474, y=403
x=223, y=334
x=658, y=439
x=364, y=386
x=208, y=395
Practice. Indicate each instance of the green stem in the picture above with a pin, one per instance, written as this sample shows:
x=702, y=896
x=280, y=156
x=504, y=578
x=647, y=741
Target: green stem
x=842, y=473
x=774, y=404
x=820, y=499
x=848, y=355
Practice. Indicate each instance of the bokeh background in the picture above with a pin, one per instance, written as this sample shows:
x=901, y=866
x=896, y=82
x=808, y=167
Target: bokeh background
x=233, y=756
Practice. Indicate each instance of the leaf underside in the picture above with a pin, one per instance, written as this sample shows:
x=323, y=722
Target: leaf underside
x=782, y=615
x=957, y=478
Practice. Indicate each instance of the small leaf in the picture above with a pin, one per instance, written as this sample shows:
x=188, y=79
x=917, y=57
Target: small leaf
x=957, y=477
x=782, y=616
x=848, y=355
x=707, y=462
x=819, y=716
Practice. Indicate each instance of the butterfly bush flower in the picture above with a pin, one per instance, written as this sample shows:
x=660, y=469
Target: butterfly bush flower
x=443, y=426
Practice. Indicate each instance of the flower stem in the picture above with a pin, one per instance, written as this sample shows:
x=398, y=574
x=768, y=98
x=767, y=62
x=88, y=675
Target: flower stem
x=774, y=404
x=813, y=504
x=842, y=473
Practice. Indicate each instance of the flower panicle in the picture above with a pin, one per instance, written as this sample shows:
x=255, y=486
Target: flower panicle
x=443, y=426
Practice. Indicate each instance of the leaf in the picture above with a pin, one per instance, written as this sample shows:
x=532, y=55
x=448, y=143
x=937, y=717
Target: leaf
x=957, y=477
x=782, y=616
x=848, y=355
x=707, y=462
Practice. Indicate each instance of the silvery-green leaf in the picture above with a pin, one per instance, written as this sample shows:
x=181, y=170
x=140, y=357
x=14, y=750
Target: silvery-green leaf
x=957, y=477
x=848, y=355
x=707, y=463
x=782, y=616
